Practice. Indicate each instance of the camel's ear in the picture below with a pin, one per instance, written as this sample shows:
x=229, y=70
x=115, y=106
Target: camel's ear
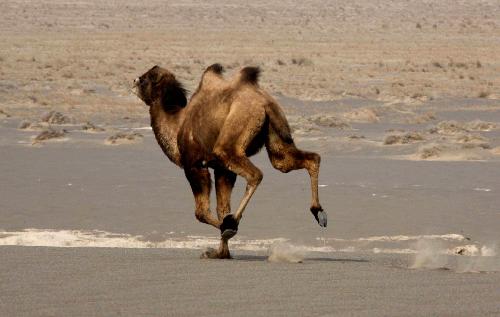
x=172, y=93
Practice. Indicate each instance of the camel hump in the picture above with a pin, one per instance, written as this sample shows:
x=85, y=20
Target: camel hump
x=215, y=68
x=211, y=78
x=249, y=75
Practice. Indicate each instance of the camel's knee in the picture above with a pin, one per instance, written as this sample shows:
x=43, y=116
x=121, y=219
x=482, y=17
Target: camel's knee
x=255, y=178
x=311, y=162
x=201, y=215
x=296, y=160
x=282, y=165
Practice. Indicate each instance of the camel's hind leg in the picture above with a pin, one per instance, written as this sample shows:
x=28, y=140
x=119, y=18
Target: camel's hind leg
x=285, y=157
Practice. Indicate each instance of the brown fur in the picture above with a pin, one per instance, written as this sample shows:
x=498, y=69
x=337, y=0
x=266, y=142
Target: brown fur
x=224, y=123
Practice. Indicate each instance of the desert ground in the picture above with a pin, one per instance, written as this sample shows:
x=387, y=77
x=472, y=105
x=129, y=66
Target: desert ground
x=401, y=99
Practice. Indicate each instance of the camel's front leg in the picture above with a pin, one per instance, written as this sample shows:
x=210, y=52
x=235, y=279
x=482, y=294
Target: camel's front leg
x=224, y=183
x=221, y=253
x=240, y=128
x=199, y=179
x=241, y=165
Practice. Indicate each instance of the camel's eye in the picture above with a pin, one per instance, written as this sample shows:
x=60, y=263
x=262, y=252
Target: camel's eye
x=142, y=80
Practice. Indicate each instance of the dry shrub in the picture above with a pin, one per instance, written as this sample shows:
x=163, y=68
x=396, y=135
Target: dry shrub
x=90, y=127
x=423, y=118
x=410, y=137
x=4, y=114
x=471, y=141
x=302, y=61
x=357, y=137
x=430, y=152
x=27, y=125
x=24, y=125
x=453, y=127
x=484, y=146
x=329, y=121
x=478, y=125
x=55, y=117
x=49, y=134
x=483, y=94
x=437, y=64
x=124, y=138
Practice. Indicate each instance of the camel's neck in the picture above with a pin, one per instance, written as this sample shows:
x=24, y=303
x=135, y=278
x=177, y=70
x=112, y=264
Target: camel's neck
x=166, y=126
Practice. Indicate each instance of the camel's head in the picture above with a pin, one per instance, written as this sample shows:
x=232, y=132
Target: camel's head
x=160, y=85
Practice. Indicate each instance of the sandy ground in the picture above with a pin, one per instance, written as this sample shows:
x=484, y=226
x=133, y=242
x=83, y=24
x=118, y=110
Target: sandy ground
x=401, y=100
x=130, y=282
x=405, y=237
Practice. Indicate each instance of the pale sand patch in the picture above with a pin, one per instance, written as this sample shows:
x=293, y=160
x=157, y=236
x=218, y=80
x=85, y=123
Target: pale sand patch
x=364, y=115
x=496, y=151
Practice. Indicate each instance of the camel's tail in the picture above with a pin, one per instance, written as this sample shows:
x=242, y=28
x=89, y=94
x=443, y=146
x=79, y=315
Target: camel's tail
x=278, y=122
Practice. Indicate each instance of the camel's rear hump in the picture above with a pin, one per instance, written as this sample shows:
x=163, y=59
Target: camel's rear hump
x=249, y=75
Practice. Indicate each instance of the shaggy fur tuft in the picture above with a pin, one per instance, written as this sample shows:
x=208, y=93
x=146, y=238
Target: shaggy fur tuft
x=250, y=75
x=216, y=68
x=173, y=94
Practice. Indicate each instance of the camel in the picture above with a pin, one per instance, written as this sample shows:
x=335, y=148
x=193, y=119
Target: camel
x=224, y=123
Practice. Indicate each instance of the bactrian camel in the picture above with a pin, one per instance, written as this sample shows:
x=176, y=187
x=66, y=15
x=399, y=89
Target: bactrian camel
x=224, y=123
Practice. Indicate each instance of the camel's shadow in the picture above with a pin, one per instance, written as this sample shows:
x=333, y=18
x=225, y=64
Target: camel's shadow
x=264, y=258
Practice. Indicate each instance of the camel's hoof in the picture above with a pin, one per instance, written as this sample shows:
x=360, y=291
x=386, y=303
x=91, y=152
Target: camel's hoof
x=320, y=216
x=322, y=219
x=228, y=234
x=228, y=227
x=210, y=253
